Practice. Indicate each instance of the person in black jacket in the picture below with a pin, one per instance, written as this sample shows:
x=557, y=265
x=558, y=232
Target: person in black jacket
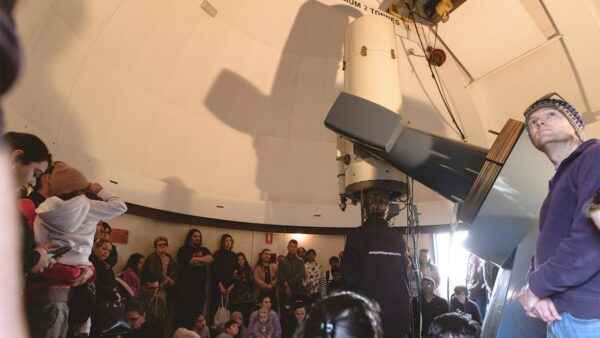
x=194, y=260
x=375, y=264
x=461, y=304
x=431, y=307
x=222, y=267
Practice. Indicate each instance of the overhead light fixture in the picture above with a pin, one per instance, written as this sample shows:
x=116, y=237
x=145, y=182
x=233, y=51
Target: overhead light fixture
x=208, y=8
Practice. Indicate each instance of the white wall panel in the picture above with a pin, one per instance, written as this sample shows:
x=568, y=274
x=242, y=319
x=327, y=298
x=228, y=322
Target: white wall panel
x=304, y=214
x=130, y=131
x=167, y=142
x=190, y=77
x=239, y=165
x=154, y=65
x=506, y=93
x=581, y=39
x=484, y=39
x=50, y=73
x=126, y=33
x=32, y=16
x=86, y=19
x=90, y=108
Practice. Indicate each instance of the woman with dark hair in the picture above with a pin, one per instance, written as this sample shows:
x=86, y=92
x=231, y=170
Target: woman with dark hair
x=265, y=276
x=106, y=284
x=343, y=314
x=222, y=272
x=28, y=159
x=243, y=291
x=266, y=303
x=132, y=272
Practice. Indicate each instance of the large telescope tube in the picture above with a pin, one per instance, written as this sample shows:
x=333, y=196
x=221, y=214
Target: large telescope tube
x=371, y=72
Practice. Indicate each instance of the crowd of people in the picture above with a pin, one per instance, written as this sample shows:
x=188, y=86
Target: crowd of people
x=160, y=295
x=71, y=286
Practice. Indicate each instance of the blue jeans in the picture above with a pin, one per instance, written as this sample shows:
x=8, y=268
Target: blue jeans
x=570, y=327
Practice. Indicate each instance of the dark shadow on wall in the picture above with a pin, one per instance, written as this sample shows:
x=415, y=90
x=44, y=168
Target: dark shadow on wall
x=305, y=41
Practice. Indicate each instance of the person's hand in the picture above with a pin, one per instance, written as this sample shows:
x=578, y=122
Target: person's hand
x=595, y=216
x=95, y=187
x=169, y=281
x=44, y=262
x=528, y=299
x=85, y=275
x=545, y=310
x=222, y=290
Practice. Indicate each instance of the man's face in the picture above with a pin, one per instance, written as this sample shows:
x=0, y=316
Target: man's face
x=427, y=287
x=196, y=239
x=293, y=248
x=462, y=297
x=549, y=126
x=151, y=289
x=423, y=257
x=134, y=319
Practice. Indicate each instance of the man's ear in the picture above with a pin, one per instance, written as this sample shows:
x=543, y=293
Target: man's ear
x=16, y=156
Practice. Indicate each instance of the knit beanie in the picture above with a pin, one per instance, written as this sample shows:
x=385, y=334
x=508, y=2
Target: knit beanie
x=237, y=314
x=263, y=309
x=66, y=179
x=562, y=107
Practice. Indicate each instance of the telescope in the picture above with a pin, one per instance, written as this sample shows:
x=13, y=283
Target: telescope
x=498, y=190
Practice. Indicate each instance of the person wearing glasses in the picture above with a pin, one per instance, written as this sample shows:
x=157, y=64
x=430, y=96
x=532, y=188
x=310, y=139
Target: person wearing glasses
x=103, y=230
x=154, y=306
x=563, y=284
x=135, y=316
x=161, y=266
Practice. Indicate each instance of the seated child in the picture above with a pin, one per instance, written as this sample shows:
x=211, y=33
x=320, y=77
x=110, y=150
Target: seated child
x=231, y=330
x=263, y=328
x=200, y=327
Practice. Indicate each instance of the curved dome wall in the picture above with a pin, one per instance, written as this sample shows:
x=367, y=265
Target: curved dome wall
x=212, y=116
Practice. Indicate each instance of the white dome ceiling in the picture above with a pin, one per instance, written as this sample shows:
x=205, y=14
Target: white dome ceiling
x=187, y=112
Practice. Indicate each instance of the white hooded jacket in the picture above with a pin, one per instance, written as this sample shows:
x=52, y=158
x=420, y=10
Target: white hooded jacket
x=73, y=223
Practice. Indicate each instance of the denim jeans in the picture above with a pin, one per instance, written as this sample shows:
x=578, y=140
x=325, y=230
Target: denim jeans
x=572, y=327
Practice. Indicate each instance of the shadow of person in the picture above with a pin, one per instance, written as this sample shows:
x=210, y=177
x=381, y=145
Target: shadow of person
x=295, y=153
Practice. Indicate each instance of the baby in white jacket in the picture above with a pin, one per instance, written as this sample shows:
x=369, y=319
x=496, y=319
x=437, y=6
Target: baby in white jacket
x=69, y=218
